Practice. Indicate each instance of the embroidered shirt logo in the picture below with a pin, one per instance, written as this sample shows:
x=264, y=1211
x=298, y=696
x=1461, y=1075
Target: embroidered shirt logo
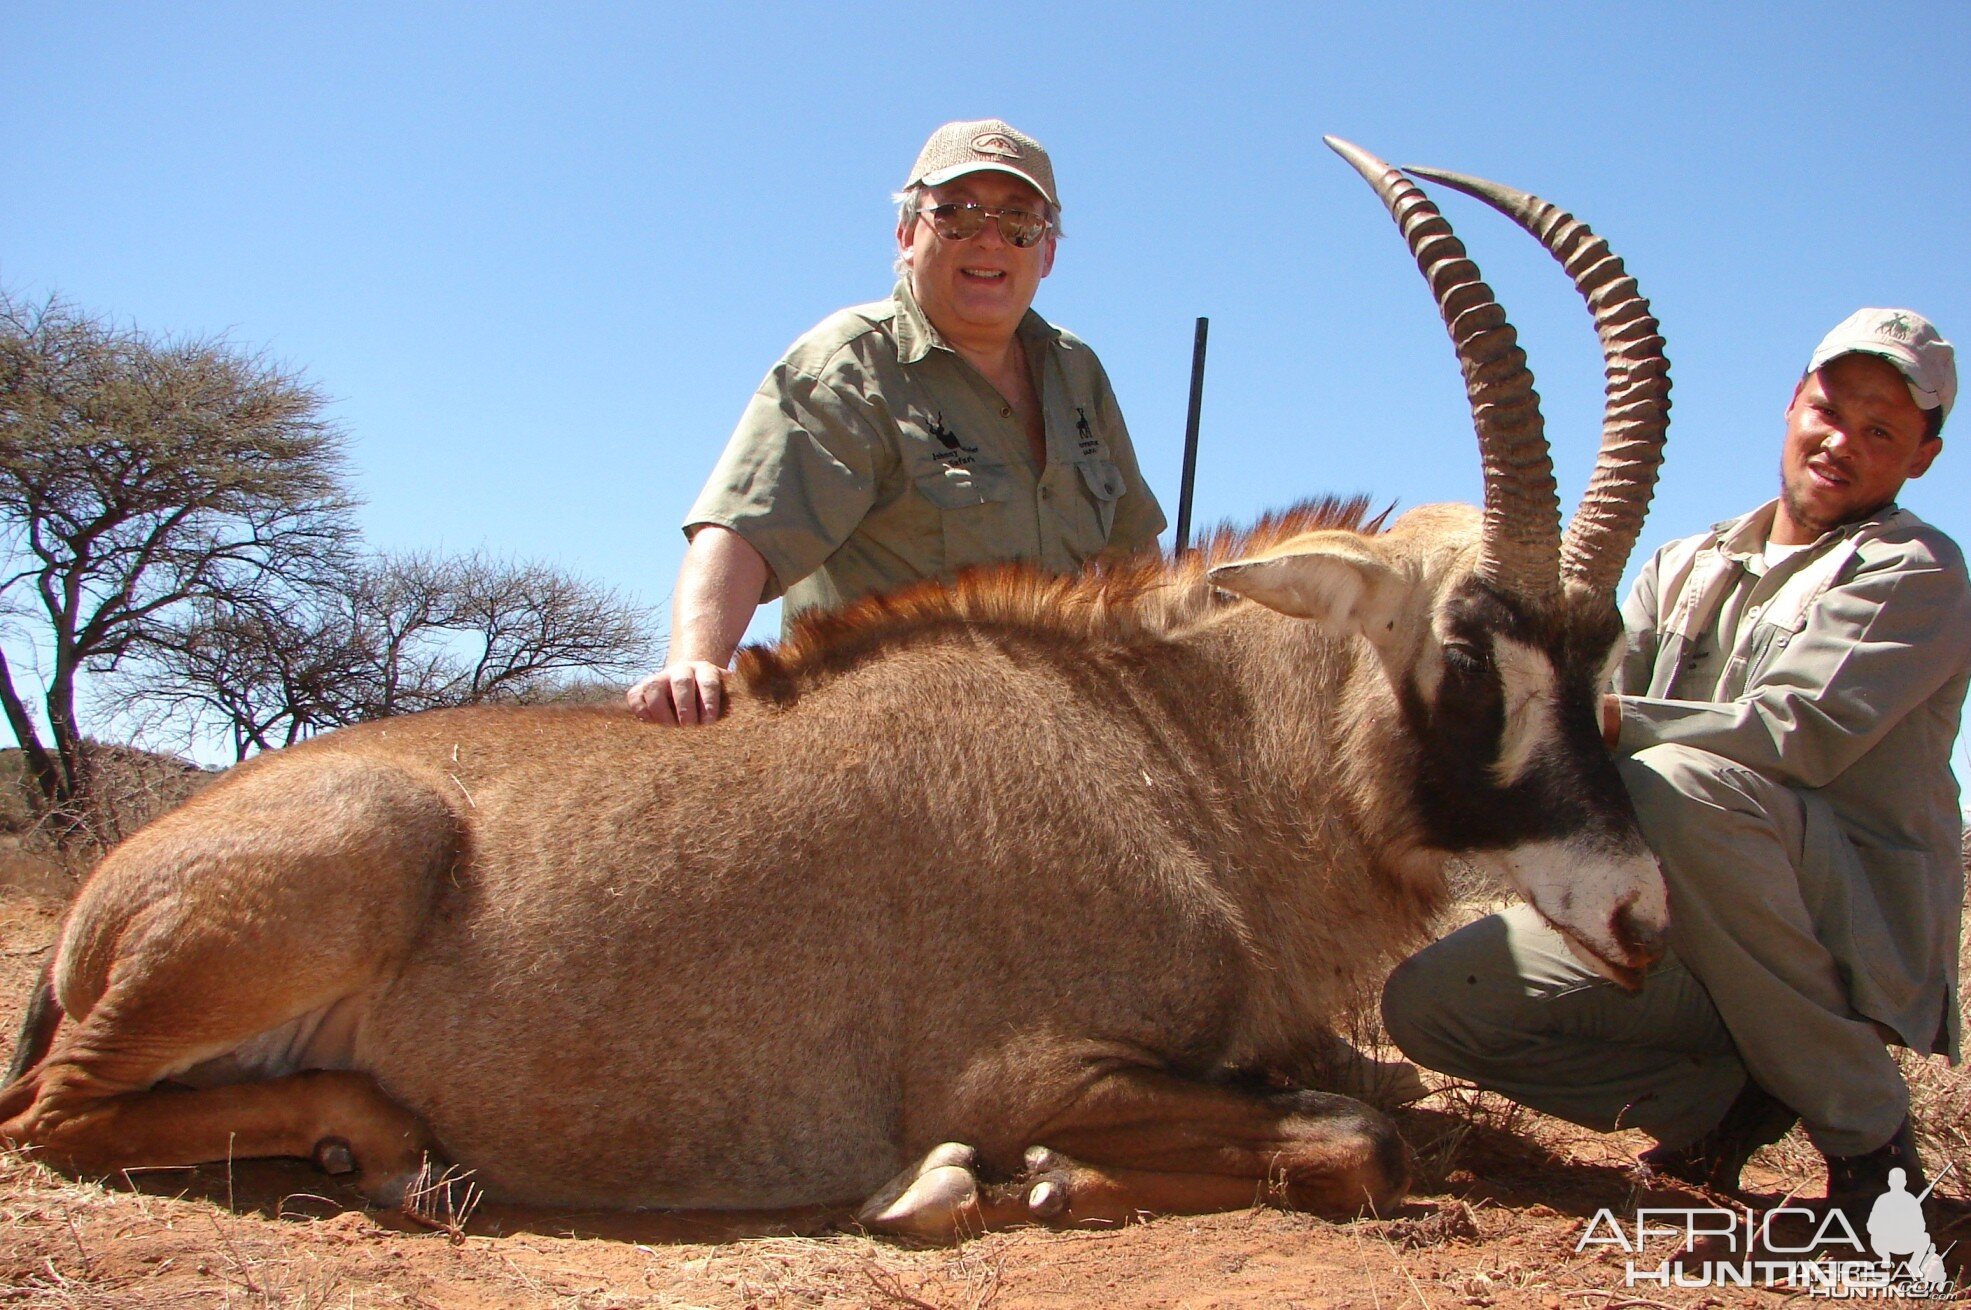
x=950, y=440
x=1084, y=435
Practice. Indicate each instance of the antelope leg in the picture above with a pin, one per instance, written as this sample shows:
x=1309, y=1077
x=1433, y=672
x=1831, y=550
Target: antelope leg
x=1172, y=1145
x=1137, y=1141
x=61, y=1114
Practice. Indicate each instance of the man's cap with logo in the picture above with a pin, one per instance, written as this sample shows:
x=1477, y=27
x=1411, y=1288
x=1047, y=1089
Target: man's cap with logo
x=984, y=145
x=1906, y=339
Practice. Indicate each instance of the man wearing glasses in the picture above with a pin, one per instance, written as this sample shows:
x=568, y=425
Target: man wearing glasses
x=945, y=427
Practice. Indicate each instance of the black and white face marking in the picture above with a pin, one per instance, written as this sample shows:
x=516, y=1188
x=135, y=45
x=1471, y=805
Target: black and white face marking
x=1511, y=770
x=1529, y=689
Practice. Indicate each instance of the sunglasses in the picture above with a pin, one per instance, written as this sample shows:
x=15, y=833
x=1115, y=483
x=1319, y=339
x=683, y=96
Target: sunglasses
x=965, y=220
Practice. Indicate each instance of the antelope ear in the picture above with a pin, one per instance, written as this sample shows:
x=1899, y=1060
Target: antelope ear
x=1337, y=582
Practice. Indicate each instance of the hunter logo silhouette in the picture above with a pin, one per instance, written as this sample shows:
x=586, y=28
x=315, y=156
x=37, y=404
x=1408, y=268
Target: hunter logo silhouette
x=1896, y=1229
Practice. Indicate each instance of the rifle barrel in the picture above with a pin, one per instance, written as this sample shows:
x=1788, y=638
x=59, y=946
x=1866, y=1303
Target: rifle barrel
x=1191, y=438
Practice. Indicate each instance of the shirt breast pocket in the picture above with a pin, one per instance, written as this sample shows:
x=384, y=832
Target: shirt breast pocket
x=1772, y=638
x=1104, y=482
x=968, y=514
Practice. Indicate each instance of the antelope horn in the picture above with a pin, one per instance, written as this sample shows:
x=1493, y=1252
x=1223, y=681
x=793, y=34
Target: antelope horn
x=1521, y=546
x=1636, y=413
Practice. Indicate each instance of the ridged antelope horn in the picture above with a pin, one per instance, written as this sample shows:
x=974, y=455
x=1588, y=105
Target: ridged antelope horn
x=1521, y=549
x=1636, y=413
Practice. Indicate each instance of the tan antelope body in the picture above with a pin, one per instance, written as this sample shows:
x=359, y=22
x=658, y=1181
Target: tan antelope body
x=974, y=907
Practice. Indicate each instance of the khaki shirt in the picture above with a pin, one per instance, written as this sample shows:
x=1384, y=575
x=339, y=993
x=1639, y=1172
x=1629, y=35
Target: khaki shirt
x=874, y=455
x=1844, y=681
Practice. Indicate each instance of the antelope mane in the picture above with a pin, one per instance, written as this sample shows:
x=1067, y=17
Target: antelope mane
x=1132, y=603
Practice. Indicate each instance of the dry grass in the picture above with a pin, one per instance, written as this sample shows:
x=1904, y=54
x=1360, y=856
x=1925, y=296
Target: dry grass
x=64, y=1245
x=68, y=1245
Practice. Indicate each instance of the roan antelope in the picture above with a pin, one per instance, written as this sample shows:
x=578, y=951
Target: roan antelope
x=968, y=911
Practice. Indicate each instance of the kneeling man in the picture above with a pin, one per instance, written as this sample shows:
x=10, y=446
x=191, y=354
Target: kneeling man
x=1785, y=714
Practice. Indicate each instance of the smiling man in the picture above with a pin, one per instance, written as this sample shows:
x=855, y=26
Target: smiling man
x=1784, y=714
x=946, y=427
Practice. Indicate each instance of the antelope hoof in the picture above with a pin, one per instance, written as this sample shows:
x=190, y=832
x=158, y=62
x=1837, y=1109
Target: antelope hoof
x=930, y=1200
x=334, y=1156
x=1047, y=1182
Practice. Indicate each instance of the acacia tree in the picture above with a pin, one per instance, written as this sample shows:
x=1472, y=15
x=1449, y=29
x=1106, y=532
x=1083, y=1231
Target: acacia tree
x=141, y=476
x=463, y=630
x=265, y=675
x=389, y=635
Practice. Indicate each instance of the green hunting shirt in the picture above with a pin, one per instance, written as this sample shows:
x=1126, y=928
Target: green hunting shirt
x=874, y=455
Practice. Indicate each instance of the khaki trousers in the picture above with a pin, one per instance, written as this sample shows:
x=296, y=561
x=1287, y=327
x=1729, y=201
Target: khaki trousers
x=1747, y=988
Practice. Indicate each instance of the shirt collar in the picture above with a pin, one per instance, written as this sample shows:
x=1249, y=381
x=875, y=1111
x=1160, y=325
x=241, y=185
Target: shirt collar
x=1745, y=539
x=916, y=337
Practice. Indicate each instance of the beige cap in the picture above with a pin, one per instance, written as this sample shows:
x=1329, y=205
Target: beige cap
x=984, y=145
x=1906, y=339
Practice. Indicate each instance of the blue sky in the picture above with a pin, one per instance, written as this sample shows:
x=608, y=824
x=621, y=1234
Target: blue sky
x=541, y=254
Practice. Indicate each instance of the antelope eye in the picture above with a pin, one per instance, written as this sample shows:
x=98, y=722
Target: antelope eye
x=1467, y=657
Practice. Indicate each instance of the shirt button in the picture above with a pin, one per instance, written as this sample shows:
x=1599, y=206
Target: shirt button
x=1006, y=411
x=1047, y=493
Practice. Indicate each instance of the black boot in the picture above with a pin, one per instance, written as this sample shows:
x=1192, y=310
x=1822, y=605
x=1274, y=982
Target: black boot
x=1854, y=1182
x=1755, y=1119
